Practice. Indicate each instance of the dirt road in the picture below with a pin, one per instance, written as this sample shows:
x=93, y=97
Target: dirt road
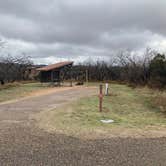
x=21, y=143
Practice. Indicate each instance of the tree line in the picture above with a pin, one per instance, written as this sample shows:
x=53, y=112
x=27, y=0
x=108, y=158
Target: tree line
x=147, y=69
x=14, y=68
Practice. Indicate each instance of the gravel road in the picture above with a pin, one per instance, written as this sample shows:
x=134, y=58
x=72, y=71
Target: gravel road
x=21, y=143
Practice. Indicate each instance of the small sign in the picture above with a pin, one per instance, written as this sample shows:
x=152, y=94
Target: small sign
x=107, y=121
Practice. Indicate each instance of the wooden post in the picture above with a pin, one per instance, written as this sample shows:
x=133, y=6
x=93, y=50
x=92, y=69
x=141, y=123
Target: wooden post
x=71, y=77
x=71, y=83
x=52, y=78
x=87, y=75
x=100, y=97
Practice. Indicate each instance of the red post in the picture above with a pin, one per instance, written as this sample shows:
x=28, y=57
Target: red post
x=100, y=98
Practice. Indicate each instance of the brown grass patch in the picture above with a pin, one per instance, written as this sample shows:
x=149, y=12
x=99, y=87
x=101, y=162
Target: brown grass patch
x=160, y=101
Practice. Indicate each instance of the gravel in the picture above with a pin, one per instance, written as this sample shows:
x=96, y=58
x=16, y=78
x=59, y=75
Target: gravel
x=22, y=143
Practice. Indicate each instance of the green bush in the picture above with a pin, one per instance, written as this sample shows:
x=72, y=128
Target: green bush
x=157, y=70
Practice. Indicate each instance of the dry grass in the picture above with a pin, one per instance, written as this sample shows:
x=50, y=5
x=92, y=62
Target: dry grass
x=18, y=90
x=9, y=85
x=131, y=109
x=160, y=101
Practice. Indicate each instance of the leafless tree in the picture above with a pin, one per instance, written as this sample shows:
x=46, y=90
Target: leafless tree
x=13, y=68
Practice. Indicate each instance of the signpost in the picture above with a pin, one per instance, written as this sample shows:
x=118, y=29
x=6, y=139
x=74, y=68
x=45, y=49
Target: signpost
x=106, y=89
x=100, y=97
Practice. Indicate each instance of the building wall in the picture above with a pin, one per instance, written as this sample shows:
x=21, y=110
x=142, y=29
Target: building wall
x=50, y=76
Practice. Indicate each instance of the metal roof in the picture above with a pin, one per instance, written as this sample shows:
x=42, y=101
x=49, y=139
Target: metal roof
x=55, y=66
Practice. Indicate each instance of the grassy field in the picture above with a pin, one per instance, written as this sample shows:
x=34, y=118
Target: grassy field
x=18, y=90
x=139, y=108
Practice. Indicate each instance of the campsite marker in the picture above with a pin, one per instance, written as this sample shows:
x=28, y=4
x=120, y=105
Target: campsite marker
x=106, y=89
x=100, y=97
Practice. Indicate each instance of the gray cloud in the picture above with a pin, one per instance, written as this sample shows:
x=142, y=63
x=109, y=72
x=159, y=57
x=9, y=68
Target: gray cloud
x=75, y=28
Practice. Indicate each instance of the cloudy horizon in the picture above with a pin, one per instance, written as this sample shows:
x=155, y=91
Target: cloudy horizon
x=56, y=30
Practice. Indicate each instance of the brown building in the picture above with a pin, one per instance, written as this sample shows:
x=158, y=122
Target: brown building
x=52, y=73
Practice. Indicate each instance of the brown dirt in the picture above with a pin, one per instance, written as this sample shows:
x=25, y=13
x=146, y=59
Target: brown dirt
x=42, y=92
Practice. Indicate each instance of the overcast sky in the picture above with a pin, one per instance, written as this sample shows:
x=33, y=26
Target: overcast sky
x=55, y=30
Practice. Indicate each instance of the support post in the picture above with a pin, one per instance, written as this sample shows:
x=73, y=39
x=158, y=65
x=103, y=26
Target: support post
x=71, y=77
x=52, y=78
x=100, y=97
x=87, y=75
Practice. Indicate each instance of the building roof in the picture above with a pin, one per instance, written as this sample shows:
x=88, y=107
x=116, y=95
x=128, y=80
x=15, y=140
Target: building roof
x=55, y=66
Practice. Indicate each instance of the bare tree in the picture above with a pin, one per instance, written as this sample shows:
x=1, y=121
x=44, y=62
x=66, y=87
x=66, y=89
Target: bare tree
x=14, y=68
x=1, y=66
